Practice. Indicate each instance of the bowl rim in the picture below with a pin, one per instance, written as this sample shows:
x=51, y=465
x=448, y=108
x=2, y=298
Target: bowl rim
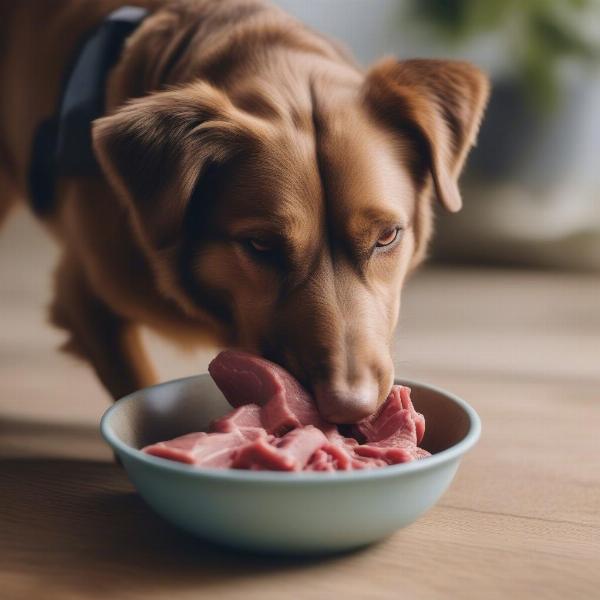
x=239, y=475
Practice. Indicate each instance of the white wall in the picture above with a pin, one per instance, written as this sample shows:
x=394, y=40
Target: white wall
x=370, y=28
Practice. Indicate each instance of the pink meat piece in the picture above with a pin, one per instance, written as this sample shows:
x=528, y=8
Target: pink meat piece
x=335, y=437
x=331, y=457
x=392, y=434
x=365, y=462
x=289, y=453
x=321, y=461
x=397, y=430
x=420, y=453
x=243, y=418
x=341, y=457
x=276, y=426
x=204, y=449
x=349, y=447
x=244, y=378
x=240, y=383
x=180, y=449
x=388, y=454
x=391, y=420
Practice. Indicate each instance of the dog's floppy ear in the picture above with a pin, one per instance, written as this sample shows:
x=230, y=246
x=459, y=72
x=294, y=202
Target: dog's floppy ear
x=155, y=149
x=439, y=103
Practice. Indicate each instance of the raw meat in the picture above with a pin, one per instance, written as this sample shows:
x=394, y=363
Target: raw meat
x=205, y=449
x=397, y=417
x=288, y=453
x=276, y=426
x=247, y=417
x=247, y=379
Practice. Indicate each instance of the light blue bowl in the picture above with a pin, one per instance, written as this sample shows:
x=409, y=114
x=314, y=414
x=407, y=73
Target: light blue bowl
x=282, y=512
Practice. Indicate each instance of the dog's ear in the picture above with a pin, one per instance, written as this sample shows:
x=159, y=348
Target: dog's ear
x=155, y=150
x=439, y=104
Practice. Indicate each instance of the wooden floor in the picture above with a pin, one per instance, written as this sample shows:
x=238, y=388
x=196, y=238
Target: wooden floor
x=521, y=520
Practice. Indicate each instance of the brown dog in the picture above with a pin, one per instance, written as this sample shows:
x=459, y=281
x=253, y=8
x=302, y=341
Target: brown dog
x=256, y=187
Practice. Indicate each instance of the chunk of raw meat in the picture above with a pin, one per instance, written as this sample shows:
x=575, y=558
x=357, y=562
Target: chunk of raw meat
x=276, y=426
x=289, y=453
x=244, y=378
x=180, y=449
x=388, y=454
x=395, y=428
x=331, y=457
x=204, y=449
x=321, y=461
x=392, y=434
x=364, y=462
x=393, y=418
x=242, y=418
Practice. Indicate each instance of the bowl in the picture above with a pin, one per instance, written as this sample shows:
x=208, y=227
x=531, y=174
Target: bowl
x=275, y=512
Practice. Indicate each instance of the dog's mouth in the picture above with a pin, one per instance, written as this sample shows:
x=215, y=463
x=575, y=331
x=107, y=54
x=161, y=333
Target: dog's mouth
x=339, y=400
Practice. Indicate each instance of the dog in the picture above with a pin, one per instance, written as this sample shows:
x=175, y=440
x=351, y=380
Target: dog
x=254, y=187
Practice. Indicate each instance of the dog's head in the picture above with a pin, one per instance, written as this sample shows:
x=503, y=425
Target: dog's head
x=293, y=221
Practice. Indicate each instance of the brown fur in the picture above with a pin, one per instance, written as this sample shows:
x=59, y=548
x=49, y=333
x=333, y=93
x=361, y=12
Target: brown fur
x=228, y=122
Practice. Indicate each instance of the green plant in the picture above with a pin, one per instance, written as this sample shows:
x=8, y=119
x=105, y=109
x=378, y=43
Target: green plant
x=539, y=35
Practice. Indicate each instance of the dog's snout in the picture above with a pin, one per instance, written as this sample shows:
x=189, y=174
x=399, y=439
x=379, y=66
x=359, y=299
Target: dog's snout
x=344, y=404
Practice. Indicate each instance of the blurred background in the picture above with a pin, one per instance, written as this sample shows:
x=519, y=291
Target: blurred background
x=532, y=186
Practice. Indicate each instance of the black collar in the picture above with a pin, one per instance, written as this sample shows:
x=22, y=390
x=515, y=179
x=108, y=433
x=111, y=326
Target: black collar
x=63, y=144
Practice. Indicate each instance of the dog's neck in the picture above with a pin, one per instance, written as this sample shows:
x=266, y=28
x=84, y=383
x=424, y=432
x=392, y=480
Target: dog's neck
x=85, y=90
x=63, y=143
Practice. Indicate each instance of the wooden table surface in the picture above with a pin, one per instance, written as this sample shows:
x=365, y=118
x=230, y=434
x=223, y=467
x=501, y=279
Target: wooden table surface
x=521, y=520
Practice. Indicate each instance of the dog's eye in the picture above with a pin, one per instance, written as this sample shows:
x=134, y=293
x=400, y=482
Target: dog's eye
x=258, y=245
x=388, y=237
x=264, y=251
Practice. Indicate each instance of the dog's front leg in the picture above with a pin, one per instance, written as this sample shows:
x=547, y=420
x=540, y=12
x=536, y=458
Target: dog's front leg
x=110, y=343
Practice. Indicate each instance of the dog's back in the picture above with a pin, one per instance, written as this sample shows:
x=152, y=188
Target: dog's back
x=37, y=40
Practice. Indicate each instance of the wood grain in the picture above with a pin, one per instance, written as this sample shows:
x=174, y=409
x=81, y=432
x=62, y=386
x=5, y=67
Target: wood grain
x=521, y=520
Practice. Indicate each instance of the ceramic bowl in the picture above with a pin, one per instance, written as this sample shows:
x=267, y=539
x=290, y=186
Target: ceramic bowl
x=282, y=512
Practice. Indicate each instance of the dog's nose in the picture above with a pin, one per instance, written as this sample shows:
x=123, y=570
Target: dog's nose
x=345, y=404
